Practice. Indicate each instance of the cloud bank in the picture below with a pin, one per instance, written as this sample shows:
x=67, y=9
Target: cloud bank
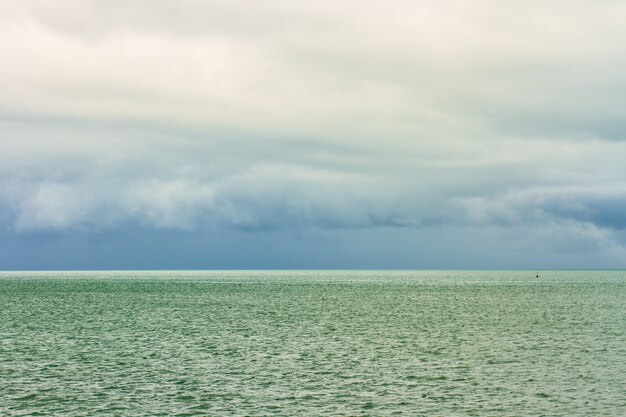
x=431, y=121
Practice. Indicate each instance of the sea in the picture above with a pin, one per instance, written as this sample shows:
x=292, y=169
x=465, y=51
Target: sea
x=313, y=343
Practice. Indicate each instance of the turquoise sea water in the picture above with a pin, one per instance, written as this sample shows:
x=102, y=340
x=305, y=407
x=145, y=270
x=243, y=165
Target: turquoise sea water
x=370, y=343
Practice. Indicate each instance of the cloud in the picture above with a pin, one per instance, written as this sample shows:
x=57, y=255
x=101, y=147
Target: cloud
x=364, y=70
x=281, y=188
x=601, y=208
x=299, y=116
x=50, y=206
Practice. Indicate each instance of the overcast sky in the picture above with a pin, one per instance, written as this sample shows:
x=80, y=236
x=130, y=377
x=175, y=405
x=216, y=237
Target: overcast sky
x=312, y=134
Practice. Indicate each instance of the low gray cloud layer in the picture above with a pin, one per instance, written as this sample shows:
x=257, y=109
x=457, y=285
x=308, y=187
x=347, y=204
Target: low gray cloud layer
x=221, y=118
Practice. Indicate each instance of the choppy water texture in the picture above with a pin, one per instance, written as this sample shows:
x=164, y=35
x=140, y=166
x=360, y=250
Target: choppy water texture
x=313, y=343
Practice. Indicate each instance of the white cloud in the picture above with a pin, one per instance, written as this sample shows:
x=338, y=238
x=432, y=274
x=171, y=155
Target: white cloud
x=427, y=71
x=51, y=206
x=167, y=204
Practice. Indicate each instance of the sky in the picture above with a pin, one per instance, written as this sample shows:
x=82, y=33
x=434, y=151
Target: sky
x=370, y=134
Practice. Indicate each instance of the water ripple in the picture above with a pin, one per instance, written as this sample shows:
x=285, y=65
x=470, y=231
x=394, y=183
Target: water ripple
x=314, y=344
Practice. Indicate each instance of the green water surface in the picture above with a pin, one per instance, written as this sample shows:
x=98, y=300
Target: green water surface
x=313, y=343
